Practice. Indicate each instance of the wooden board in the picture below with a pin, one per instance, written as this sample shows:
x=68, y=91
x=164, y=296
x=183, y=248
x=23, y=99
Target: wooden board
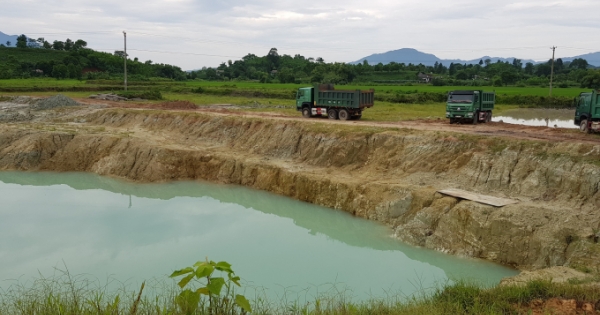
x=488, y=200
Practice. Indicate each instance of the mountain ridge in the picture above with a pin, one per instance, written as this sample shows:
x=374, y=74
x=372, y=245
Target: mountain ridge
x=411, y=55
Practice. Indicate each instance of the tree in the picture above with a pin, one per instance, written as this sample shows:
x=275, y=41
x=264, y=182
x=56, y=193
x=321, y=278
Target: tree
x=579, y=63
x=480, y=62
x=58, y=45
x=591, y=81
x=22, y=41
x=60, y=71
x=79, y=44
x=529, y=68
x=518, y=64
x=68, y=44
x=8, y=43
x=47, y=45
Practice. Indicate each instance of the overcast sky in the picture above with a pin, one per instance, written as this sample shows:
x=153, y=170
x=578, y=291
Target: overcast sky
x=196, y=33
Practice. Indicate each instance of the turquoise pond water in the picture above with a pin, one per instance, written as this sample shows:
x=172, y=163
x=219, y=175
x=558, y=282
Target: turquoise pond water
x=110, y=229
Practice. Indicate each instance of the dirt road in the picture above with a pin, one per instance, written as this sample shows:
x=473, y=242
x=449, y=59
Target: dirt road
x=495, y=129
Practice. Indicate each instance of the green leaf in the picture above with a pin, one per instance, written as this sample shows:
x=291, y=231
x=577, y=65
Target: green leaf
x=223, y=266
x=181, y=272
x=215, y=285
x=242, y=302
x=200, y=263
x=204, y=271
x=235, y=280
x=203, y=291
x=188, y=301
x=186, y=280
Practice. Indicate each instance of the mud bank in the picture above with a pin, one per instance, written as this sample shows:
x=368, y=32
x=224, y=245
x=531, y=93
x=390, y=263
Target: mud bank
x=387, y=175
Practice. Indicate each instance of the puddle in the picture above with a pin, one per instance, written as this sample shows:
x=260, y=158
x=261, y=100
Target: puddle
x=556, y=118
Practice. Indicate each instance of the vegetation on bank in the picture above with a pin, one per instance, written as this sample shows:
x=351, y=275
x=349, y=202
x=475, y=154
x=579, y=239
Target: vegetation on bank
x=67, y=294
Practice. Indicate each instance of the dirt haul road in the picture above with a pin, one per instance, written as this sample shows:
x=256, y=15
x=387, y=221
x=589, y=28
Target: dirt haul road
x=388, y=172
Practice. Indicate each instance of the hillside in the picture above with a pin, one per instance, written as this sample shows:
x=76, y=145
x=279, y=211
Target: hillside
x=32, y=55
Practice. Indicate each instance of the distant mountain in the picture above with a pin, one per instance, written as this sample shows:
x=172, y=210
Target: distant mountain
x=4, y=38
x=405, y=55
x=592, y=58
x=410, y=55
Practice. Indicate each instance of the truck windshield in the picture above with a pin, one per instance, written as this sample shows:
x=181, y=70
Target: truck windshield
x=457, y=98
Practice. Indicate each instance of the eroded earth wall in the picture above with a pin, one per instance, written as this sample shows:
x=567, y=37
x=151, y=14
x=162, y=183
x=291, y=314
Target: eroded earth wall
x=387, y=175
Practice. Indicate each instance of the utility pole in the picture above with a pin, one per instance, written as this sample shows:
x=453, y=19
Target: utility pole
x=125, y=58
x=552, y=69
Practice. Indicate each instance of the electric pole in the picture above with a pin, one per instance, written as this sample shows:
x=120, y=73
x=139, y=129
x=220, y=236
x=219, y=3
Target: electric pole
x=125, y=58
x=552, y=69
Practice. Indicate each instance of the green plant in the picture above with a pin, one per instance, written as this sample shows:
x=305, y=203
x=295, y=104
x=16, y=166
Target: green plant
x=212, y=287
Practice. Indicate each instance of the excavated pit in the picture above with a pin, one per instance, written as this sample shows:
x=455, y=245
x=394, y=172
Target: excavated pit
x=387, y=175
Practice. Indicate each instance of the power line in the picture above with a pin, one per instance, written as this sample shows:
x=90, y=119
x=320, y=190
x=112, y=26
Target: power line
x=168, y=52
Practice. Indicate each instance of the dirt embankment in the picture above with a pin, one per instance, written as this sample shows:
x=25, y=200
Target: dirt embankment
x=388, y=175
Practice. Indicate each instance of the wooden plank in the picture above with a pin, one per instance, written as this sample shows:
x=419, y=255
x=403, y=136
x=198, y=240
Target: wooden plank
x=488, y=200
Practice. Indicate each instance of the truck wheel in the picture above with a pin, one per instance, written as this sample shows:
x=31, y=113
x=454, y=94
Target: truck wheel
x=306, y=112
x=475, y=118
x=332, y=114
x=344, y=115
x=452, y=121
x=357, y=117
x=488, y=117
x=583, y=126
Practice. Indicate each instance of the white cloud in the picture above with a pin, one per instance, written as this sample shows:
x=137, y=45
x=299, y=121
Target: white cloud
x=335, y=30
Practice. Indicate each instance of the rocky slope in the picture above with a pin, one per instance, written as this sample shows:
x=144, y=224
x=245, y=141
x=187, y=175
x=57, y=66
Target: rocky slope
x=388, y=175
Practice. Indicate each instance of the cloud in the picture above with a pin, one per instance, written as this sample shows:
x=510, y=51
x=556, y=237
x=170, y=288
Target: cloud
x=335, y=30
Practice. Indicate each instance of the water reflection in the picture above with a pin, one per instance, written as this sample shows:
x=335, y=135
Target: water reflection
x=553, y=118
x=103, y=226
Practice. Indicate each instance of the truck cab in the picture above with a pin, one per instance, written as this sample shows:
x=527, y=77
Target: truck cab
x=304, y=97
x=587, y=112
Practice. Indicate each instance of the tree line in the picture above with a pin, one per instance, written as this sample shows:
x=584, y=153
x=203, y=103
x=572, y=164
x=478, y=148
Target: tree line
x=74, y=60
x=299, y=69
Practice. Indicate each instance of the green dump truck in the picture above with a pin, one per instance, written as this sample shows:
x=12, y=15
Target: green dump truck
x=587, y=112
x=470, y=106
x=324, y=100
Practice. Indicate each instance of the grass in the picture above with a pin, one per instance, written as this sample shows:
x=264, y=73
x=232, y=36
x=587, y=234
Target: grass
x=67, y=294
x=259, y=97
x=392, y=89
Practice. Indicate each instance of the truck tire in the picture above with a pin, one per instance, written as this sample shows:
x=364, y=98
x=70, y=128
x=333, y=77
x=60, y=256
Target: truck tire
x=476, y=118
x=332, y=114
x=488, y=117
x=343, y=114
x=306, y=112
x=357, y=117
x=583, y=126
x=452, y=121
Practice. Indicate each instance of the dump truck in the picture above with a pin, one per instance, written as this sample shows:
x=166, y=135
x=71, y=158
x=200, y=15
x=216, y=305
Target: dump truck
x=587, y=112
x=470, y=106
x=325, y=100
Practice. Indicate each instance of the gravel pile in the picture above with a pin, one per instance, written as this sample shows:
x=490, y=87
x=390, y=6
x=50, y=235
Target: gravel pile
x=58, y=100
